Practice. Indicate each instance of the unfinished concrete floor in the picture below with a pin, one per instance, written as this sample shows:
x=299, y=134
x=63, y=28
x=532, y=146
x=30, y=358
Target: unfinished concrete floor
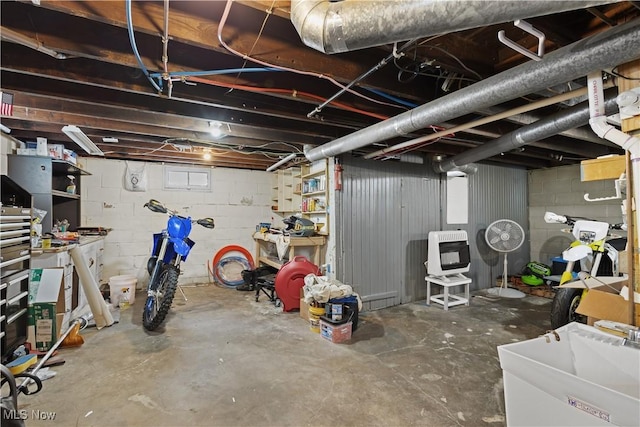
x=222, y=359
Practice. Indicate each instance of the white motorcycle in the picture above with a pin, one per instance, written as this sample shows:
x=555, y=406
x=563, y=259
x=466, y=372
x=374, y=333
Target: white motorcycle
x=590, y=254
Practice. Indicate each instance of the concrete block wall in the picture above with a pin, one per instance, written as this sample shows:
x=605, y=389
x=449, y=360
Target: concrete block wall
x=561, y=191
x=238, y=200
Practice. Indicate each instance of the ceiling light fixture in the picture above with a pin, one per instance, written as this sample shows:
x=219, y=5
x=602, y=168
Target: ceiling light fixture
x=206, y=154
x=82, y=140
x=215, y=129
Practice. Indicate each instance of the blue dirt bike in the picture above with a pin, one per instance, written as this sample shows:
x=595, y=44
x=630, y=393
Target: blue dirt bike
x=170, y=248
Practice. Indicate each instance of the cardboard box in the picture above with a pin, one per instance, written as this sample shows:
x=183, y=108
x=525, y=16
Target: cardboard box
x=46, y=307
x=304, y=309
x=605, y=282
x=603, y=301
x=605, y=304
x=56, y=151
x=335, y=333
x=70, y=156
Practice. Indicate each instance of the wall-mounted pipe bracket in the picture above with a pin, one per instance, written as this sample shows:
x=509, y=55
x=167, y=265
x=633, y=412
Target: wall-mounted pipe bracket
x=525, y=26
x=621, y=189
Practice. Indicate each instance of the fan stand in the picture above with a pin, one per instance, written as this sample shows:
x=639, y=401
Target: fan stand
x=504, y=290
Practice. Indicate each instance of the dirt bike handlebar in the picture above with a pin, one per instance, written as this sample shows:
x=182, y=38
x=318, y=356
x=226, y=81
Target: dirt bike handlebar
x=156, y=206
x=206, y=222
x=553, y=218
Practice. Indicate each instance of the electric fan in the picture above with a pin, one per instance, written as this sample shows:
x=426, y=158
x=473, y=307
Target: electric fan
x=504, y=235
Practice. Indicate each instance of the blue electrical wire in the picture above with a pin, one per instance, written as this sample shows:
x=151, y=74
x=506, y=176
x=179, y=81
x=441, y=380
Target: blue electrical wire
x=159, y=76
x=391, y=97
x=132, y=40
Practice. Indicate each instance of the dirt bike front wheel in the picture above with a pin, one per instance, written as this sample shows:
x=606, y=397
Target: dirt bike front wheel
x=158, y=304
x=564, y=305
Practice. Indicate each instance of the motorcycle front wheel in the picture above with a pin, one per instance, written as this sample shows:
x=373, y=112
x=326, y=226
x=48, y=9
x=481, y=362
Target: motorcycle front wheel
x=564, y=305
x=157, y=305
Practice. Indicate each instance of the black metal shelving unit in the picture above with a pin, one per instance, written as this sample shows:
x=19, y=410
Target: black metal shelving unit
x=15, y=259
x=47, y=179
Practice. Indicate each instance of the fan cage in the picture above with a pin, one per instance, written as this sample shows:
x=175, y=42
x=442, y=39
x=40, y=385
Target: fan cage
x=504, y=235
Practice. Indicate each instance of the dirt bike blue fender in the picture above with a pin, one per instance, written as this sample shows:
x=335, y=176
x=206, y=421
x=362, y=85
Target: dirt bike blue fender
x=181, y=247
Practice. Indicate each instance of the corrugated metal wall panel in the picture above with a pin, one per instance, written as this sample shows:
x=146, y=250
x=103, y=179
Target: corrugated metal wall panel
x=496, y=193
x=420, y=198
x=386, y=210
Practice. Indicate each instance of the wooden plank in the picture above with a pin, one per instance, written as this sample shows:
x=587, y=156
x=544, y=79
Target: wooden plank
x=543, y=291
x=629, y=70
x=602, y=168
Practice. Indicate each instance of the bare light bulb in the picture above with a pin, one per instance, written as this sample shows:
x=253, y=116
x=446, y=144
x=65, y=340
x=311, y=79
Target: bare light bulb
x=215, y=128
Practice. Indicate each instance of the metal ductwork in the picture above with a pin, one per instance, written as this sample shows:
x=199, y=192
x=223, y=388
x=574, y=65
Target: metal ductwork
x=567, y=119
x=333, y=27
x=614, y=46
x=582, y=133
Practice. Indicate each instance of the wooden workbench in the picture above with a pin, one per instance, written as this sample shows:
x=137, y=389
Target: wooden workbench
x=265, y=245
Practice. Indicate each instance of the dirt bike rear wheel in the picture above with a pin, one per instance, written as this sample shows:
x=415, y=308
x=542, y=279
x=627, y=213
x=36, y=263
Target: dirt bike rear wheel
x=563, y=307
x=157, y=306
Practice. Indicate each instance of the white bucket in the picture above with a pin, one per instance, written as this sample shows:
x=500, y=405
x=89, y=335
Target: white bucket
x=123, y=290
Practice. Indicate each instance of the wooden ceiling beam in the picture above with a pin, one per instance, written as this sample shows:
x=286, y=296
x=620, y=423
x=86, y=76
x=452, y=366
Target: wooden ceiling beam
x=194, y=25
x=255, y=109
x=44, y=108
x=198, y=161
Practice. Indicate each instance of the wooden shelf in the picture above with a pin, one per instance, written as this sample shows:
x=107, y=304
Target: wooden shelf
x=284, y=194
x=313, y=174
x=65, y=195
x=272, y=261
x=315, y=200
x=264, y=242
x=608, y=167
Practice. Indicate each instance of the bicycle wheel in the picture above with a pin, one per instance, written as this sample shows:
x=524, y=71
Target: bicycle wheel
x=157, y=305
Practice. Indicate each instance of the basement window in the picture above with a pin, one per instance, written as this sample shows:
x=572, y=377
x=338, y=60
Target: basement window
x=181, y=178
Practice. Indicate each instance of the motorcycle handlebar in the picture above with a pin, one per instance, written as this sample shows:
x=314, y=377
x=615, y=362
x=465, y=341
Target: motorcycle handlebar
x=206, y=223
x=155, y=206
x=553, y=218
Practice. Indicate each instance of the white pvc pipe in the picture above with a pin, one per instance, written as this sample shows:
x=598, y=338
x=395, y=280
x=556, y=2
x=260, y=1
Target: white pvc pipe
x=599, y=123
x=604, y=130
x=281, y=162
